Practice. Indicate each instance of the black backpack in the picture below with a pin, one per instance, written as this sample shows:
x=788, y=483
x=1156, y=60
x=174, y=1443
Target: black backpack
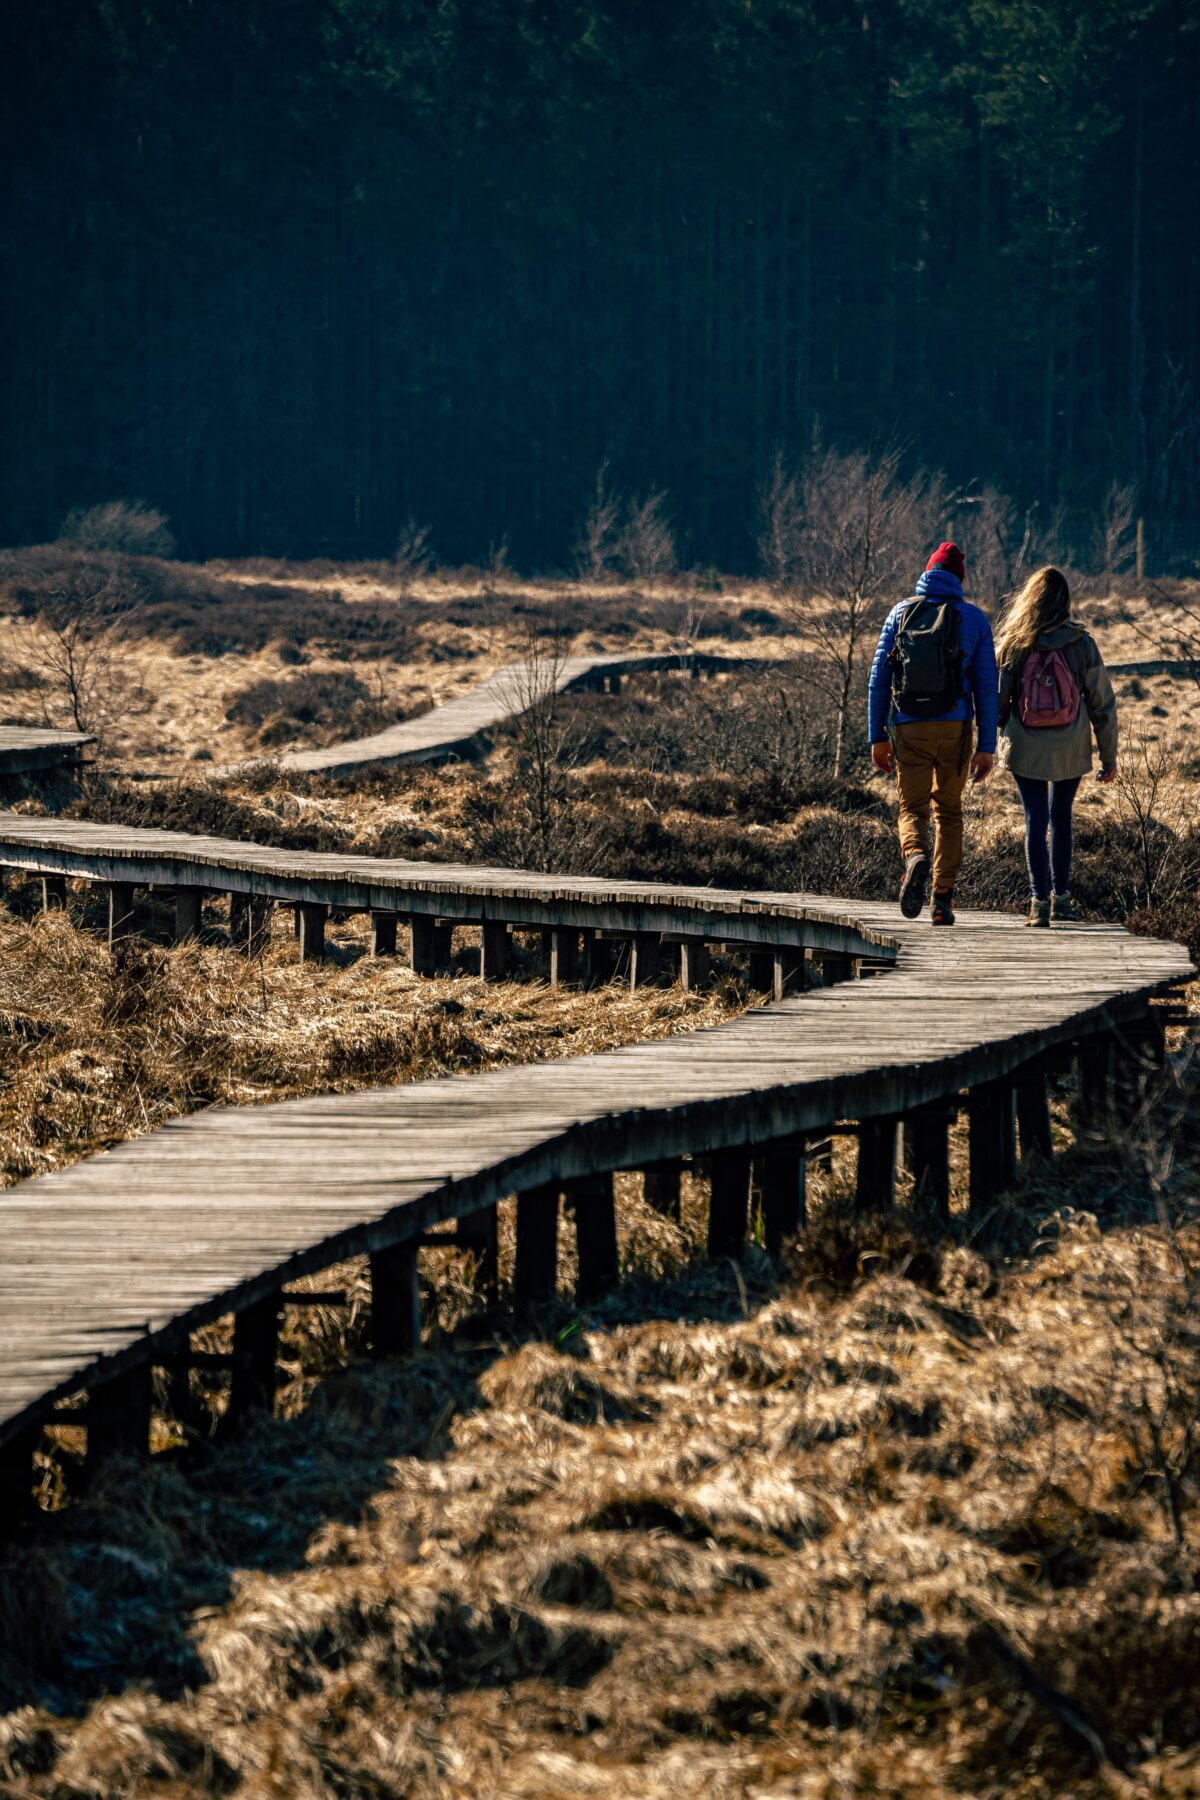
x=927, y=672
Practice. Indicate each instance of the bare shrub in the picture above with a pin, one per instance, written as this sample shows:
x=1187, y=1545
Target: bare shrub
x=596, y=548
x=859, y=532
x=645, y=546
x=412, y=558
x=1154, y=805
x=125, y=527
x=80, y=651
x=531, y=823
x=1113, y=546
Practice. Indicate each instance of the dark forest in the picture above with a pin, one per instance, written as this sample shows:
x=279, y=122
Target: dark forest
x=296, y=271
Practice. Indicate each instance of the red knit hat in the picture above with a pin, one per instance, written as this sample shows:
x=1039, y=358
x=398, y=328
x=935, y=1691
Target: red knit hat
x=950, y=558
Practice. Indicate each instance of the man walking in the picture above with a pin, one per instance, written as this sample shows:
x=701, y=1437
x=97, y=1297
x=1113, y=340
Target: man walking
x=934, y=673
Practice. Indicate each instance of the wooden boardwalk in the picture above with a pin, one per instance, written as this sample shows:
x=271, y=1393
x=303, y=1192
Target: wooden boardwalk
x=106, y=1267
x=458, y=728
x=28, y=748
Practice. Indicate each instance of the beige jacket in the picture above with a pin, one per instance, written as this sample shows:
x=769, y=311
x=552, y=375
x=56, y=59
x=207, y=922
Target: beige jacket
x=1061, y=752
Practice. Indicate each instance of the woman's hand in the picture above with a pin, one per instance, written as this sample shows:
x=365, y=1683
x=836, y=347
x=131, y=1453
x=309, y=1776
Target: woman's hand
x=1106, y=776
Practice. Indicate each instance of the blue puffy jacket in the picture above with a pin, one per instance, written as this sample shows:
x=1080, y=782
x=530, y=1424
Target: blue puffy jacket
x=980, y=682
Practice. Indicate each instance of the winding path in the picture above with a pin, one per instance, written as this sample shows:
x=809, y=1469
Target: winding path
x=107, y=1266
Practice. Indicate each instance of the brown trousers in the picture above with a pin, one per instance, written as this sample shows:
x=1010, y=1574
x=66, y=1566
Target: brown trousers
x=932, y=760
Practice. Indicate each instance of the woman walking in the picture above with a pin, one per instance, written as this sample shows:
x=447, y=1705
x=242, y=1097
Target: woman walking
x=1054, y=693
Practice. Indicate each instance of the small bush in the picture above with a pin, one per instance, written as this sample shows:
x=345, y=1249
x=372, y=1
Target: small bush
x=124, y=527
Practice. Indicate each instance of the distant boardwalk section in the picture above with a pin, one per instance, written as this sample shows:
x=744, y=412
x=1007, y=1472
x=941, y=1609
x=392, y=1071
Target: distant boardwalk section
x=459, y=727
x=27, y=749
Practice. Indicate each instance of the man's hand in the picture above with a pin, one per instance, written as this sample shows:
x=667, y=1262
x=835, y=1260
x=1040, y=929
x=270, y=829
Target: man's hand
x=1107, y=775
x=883, y=756
x=981, y=765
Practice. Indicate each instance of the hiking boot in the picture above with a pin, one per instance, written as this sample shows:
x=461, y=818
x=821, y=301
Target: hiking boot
x=913, y=884
x=1039, y=912
x=942, y=910
x=1063, y=907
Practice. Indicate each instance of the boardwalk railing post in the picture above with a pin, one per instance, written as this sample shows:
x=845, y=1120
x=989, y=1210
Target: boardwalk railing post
x=729, y=1202
x=927, y=1152
x=313, y=915
x=993, y=1147
x=875, y=1183
x=780, y=1171
x=645, y=958
x=383, y=933
x=480, y=1233
x=695, y=964
x=661, y=1184
x=118, y=1415
x=535, y=1272
x=255, y=1343
x=395, y=1300
x=120, y=910
x=590, y=1197
x=189, y=904
x=54, y=893
x=564, y=955
x=1035, y=1133
x=493, y=950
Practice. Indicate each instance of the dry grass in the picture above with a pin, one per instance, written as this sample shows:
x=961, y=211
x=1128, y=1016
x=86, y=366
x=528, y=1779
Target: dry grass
x=912, y=1523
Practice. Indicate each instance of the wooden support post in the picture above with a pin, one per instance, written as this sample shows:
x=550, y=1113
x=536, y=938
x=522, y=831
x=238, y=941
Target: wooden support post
x=313, y=915
x=729, y=1202
x=695, y=965
x=239, y=924
x=118, y=1415
x=255, y=1340
x=790, y=972
x=645, y=959
x=876, y=1178
x=383, y=933
x=493, y=950
x=927, y=1152
x=178, y=1369
x=54, y=893
x=564, y=955
x=780, y=1170
x=591, y=1199
x=993, y=1152
x=614, y=682
x=1095, y=1078
x=395, y=1300
x=431, y=944
x=1034, y=1130
x=535, y=1274
x=188, y=906
x=120, y=910
x=479, y=1232
x=661, y=1185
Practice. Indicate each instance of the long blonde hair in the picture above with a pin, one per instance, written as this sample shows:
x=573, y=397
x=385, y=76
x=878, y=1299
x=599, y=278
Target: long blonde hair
x=1044, y=601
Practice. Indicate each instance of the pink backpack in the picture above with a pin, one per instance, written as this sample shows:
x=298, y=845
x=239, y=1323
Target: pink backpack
x=1049, y=691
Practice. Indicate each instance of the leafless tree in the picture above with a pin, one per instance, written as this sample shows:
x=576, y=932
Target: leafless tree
x=1151, y=802
x=596, y=547
x=80, y=648
x=537, y=826
x=780, y=525
x=998, y=541
x=128, y=527
x=646, y=543
x=413, y=557
x=1114, y=546
x=861, y=528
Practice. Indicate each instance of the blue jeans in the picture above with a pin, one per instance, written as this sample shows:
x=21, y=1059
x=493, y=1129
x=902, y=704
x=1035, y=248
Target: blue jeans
x=1048, y=809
